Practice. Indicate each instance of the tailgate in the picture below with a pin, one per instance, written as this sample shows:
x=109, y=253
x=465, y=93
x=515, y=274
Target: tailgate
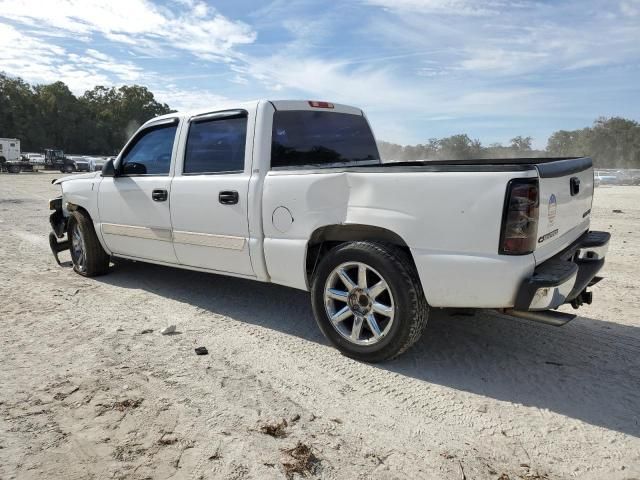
x=566, y=192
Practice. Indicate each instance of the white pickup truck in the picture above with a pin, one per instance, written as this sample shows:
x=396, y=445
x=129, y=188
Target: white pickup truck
x=295, y=193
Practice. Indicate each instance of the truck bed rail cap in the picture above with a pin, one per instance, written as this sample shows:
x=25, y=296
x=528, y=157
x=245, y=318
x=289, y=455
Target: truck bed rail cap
x=563, y=168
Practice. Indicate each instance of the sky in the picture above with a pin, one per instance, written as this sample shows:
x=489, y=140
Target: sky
x=420, y=69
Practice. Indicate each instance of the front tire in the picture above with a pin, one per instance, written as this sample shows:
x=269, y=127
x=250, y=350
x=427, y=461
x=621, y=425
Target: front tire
x=368, y=301
x=87, y=255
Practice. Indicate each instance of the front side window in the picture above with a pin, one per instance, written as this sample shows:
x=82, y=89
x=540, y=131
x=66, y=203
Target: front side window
x=310, y=138
x=216, y=145
x=151, y=152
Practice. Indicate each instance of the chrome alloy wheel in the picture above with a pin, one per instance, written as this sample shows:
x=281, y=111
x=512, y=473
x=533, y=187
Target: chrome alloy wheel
x=78, y=252
x=359, y=303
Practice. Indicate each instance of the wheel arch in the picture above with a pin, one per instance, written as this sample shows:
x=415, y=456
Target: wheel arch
x=74, y=207
x=327, y=237
x=96, y=258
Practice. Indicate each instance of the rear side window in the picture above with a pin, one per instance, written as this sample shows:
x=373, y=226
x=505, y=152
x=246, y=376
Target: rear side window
x=151, y=152
x=216, y=145
x=320, y=139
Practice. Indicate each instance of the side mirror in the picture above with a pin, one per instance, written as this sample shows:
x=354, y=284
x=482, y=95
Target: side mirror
x=108, y=170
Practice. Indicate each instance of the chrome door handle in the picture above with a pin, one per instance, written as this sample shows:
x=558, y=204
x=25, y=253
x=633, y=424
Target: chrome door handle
x=159, y=195
x=228, y=197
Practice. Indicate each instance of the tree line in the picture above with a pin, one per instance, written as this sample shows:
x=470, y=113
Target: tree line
x=100, y=122
x=51, y=116
x=458, y=147
x=610, y=142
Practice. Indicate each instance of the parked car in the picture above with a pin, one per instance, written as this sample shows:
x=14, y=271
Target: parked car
x=34, y=158
x=98, y=162
x=80, y=163
x=294, y=193
x=605, y=178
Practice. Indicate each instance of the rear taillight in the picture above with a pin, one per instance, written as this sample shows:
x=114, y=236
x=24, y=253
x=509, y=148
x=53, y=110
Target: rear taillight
x=520, y=217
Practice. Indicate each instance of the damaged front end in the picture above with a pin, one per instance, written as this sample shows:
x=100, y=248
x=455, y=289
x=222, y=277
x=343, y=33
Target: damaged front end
x=58, y=223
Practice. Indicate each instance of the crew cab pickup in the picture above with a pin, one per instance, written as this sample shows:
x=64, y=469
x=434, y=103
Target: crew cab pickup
x=295, y=193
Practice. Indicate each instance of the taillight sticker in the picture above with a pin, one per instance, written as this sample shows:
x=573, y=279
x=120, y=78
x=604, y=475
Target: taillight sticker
x=552, y=209
x=547, y=236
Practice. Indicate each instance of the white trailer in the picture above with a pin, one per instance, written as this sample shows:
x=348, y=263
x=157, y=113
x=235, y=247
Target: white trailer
x=9, y=150
x=12, y=161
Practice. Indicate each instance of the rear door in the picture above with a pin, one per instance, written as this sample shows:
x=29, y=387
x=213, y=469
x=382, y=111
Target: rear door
x=209, y=194
x=566, y=193
x=134, y=206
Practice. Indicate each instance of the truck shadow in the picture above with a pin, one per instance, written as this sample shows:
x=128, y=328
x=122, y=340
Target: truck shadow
x=588, y=369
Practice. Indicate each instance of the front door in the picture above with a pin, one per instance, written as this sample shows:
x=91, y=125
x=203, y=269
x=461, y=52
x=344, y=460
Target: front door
x=134, y=205
x=209, y=194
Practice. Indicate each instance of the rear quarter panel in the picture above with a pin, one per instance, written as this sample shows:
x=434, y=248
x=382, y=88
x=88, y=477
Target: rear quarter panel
x=450, y=220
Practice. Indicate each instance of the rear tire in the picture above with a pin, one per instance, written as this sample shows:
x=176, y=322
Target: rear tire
x=371, y=316
x=13, y=169
x=87, y=255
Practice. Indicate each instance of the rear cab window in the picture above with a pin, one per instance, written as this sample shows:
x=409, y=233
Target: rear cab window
x=306, y=138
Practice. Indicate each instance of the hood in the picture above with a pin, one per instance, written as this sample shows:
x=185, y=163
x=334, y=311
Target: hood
x=58, y=181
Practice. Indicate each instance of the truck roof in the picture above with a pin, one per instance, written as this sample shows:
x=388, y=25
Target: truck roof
x=277, y=104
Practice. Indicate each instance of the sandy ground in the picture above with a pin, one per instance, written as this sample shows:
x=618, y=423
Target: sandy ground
x=85, y=394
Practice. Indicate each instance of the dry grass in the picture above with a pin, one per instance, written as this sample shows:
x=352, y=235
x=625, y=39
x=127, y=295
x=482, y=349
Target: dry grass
x=127, y=404
x=304, y=461
x=120, y=406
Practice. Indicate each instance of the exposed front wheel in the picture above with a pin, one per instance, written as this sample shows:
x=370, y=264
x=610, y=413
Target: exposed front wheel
x=368, y=301
x=68, y=168
x=87, y=255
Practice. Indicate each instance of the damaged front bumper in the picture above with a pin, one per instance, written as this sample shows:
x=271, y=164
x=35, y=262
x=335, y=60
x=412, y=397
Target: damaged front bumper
x=58, y=223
